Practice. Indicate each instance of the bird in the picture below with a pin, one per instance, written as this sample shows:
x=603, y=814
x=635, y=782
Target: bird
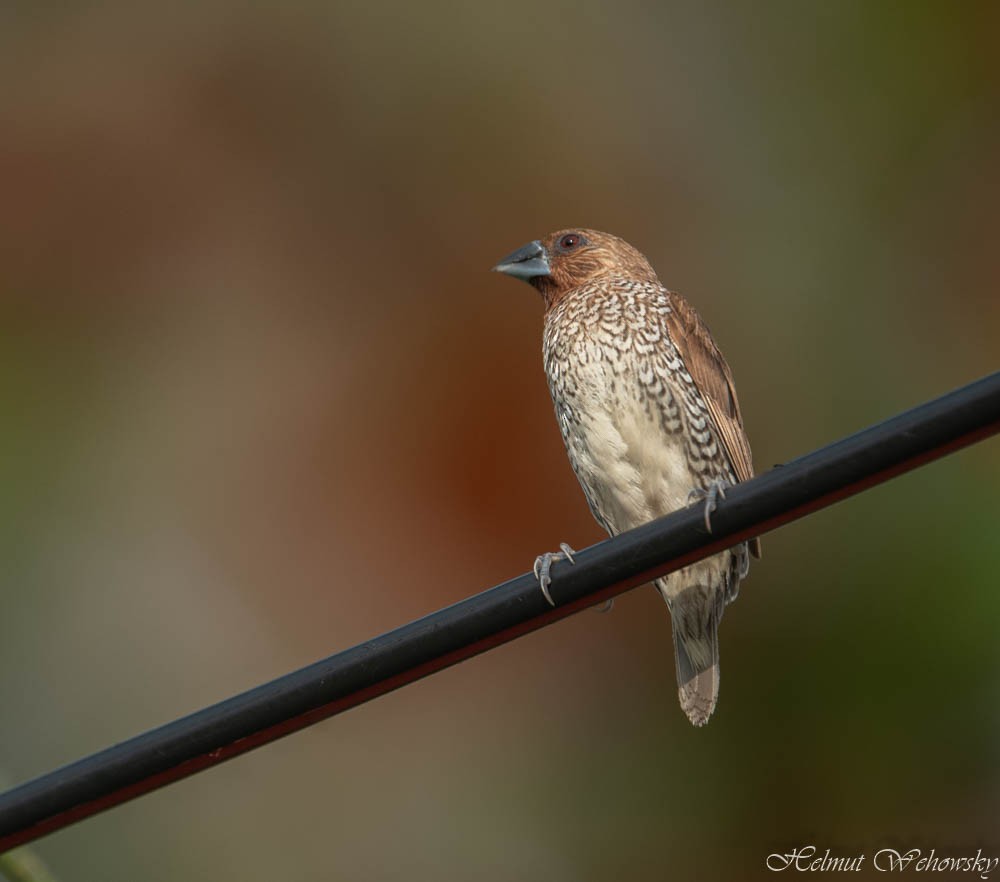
x=648, y=412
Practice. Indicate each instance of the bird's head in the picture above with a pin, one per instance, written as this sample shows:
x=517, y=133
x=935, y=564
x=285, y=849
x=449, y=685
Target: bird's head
x=572, y=258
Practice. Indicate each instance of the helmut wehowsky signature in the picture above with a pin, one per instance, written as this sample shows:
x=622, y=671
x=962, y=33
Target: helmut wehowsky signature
x=809, y=859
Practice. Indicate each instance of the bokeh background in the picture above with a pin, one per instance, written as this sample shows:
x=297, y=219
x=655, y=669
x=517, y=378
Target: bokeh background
x=262, y=400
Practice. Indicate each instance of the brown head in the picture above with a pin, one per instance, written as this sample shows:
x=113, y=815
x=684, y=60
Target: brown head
x=571, y=258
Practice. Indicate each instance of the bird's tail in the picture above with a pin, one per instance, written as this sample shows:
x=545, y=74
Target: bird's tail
x=694, y=616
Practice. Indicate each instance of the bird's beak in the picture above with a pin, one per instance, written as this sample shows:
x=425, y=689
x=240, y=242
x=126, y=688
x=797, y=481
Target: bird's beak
x=526, y=263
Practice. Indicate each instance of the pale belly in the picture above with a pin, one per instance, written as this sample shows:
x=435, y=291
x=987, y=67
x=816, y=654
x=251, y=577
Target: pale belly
x=632, y=470
x=629, y=453
x=625, y=440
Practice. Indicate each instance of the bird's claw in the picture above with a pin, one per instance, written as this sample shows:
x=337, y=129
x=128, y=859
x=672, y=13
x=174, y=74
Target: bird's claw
x=715, y=491
x=543, y=563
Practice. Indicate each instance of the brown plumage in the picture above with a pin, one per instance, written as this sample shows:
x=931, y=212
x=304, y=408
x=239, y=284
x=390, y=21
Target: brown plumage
x=649, y=415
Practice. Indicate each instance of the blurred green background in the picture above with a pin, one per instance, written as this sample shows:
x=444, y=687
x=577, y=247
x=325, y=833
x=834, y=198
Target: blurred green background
x=262, y=400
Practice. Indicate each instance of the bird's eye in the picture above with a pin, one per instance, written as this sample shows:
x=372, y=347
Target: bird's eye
x=570, y=241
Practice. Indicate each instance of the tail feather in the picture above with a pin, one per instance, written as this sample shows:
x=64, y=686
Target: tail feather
x=695, y=626
x=699, y=695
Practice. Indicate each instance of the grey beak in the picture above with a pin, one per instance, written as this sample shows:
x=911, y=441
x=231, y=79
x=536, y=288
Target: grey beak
x=526, y=263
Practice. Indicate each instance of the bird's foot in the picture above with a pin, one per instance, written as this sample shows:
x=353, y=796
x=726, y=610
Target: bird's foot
x=607, y=606
x=716, y=490
x=543, y=563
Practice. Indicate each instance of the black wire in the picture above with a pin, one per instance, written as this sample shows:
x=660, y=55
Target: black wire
x=348, y=678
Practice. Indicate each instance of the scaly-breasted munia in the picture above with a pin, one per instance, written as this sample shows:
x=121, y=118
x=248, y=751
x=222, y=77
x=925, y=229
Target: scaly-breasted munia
x=648, y=412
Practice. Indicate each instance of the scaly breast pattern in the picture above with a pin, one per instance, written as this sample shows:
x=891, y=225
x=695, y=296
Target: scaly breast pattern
x=636, y=428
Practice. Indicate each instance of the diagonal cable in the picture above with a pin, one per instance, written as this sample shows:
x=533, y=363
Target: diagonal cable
x=304, y=697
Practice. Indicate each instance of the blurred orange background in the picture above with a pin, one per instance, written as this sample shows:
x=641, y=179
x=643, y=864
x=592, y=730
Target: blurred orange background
x=262, y=400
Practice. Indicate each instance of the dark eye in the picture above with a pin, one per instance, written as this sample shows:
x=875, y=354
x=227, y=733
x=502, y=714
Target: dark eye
x=570, y=241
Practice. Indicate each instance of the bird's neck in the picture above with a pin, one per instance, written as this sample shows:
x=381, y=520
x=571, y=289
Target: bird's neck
x=600, y=288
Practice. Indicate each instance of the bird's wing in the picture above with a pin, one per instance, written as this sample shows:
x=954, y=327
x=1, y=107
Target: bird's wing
x=714, y=380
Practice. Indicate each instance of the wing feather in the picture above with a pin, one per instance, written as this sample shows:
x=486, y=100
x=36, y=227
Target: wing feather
x=714, y=379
